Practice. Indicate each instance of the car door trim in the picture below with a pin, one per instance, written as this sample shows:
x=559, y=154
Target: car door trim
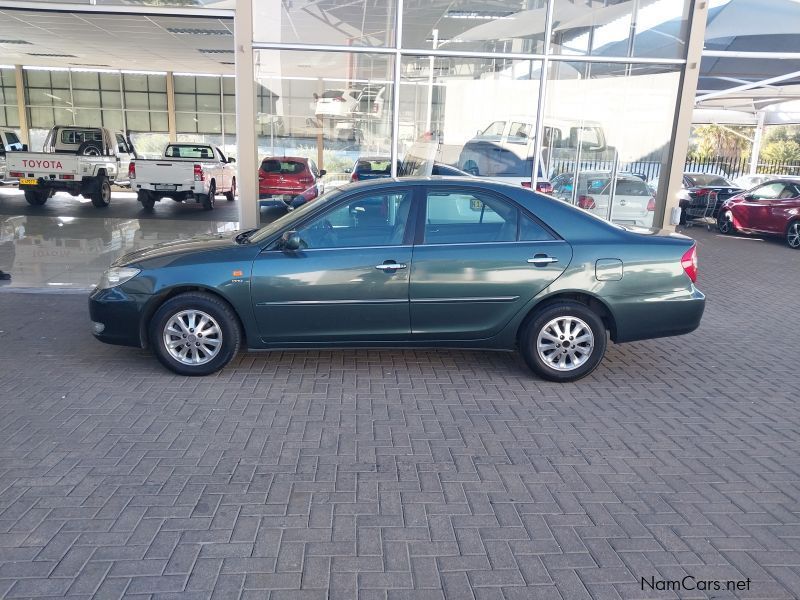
x=323, y=302
x=465, y=299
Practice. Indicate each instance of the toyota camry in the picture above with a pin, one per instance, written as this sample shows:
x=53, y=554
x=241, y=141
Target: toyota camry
x=447, y=262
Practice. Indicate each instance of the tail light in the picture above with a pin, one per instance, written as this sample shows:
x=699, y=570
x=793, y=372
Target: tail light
x=651, y=205
x=375, y=108
x=198, y=173
x=354, y=177
x=689, y=262
x=68, y=177
x=132, y=170
x=526, y=184
x=586, y=202
x=701, y=192
x=17, y=174
x=544, y=187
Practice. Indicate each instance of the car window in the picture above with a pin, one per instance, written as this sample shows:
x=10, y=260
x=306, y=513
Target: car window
x=458, y=217
x=333, y=93
x=519, y=131
x=221, y=156
x=11, y=138
x=769, y=191
x=122, y=146
x=495, y=128
x=702, y=179
x=632, y=187
x=273, y=166
x=372, y=220
x=532, y=231
x=79, y=136
x=188, y=151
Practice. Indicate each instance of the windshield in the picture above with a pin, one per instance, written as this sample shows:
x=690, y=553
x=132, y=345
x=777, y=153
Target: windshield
x=701, y=179
x=285, y=221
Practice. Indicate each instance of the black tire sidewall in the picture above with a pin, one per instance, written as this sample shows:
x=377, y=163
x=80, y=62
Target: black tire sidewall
x=720, y=219
x=146, y=199
x=786, y=236
x=36, y=197
x=530, y=334
x=97, y=196
x=222, y=313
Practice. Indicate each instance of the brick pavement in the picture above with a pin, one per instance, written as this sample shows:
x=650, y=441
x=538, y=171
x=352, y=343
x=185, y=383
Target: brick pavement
x=408, y=474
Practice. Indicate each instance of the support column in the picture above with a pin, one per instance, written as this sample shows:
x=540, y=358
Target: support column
x=173, y=131
x=671, y=176
x=23, y=114
x=756, y=152
x=246, y=141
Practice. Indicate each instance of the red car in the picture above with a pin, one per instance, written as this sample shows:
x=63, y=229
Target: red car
x=772, y=208
x=284, y=178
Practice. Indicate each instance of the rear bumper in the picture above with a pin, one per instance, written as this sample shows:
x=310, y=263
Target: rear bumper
x=116, y=316
x=645, y=318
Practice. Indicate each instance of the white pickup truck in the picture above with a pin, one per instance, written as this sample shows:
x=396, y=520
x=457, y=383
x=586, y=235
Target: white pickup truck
x=187, y=171
x=80, y=160
x=9, y=142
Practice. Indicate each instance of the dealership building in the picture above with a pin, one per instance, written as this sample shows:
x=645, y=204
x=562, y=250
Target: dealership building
x=516, y=91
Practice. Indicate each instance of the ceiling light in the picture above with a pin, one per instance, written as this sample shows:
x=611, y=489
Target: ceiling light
x=485, y=15
x=193, y=31
x=51, y=54
x=214, y=51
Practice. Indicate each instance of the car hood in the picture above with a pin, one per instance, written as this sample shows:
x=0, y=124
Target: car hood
x=201, y=243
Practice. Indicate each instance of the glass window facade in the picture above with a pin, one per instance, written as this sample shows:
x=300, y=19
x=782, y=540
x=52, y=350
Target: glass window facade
x=508, y=90
x=9, y=115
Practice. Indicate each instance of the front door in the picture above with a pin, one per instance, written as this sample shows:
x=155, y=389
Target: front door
x=349, y=280
x=480, y=261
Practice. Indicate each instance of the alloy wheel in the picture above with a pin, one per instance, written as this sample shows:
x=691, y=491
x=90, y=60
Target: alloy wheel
x=565, y=343
x=192, y=337
x=793, y=235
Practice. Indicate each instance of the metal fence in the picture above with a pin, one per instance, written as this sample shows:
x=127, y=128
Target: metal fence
x=730, y=168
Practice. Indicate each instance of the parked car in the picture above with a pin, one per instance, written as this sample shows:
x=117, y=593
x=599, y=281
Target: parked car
x=693, y=196
x=487, y=159
x=348, y=131
x=772, y=209
x=337, y=103
x=185, y=172
x=633, y=202
x=407, y=262
x=281, y=179
x=9, y=142
x=748, y=182
x=372, y=167
x=79, y=160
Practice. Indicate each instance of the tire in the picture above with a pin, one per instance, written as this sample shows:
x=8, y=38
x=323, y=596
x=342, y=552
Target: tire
x=230, y=195
x=186, y=308
x=147, y=199
x=90, y=149
x=101, y=198
x=546, y=327
x=36, y=197
x=725, y=223
x=793, y=235
x=207, y=200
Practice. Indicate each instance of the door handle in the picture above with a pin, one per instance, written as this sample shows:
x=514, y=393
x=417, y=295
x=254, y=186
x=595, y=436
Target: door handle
x=541, y=259
x=393, y=266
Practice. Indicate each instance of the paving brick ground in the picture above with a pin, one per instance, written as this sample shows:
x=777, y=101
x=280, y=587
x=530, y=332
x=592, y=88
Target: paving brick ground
x=408, y=474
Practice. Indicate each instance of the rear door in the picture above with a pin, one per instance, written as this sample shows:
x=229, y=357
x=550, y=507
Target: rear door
x=478, y=260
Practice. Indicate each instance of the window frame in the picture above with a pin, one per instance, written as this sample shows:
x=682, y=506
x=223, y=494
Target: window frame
x=419, y=238
x=408, y=235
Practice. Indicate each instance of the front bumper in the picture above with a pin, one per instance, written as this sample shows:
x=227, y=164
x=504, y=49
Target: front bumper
x=120, y=315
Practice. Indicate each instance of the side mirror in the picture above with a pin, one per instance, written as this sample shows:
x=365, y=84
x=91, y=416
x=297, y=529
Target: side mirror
x=322, y=172
x=290, y=241
x=231, y=159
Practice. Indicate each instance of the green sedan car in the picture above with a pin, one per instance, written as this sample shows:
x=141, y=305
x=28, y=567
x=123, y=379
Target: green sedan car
x=446, y=262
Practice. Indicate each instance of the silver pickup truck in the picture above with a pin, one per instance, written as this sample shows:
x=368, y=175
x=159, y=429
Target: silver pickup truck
x=79, y=160
x=186, y=171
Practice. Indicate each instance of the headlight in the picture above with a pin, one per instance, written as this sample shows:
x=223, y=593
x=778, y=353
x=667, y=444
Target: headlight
x=116, y=276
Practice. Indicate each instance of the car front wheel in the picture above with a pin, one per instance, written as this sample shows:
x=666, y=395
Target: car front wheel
x=563, y=342
x=725, y=223
x=793, y=235
x=195, y=334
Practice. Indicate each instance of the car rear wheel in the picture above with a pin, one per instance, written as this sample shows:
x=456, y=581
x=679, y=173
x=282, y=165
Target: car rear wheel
x=36, y=197
x=793, y=235
x=725, y=223
x=102, y=196
x=195, y=334
x=207, y=200
x=230, y=195
x=563, y=342
x=147, y=200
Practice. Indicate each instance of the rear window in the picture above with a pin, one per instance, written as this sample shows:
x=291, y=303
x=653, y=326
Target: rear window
x=79, y=136
x=373, y=166
x=333, y=93
x=631, y=187
x=189, y=151
x=282, y=167
x=702, y=180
